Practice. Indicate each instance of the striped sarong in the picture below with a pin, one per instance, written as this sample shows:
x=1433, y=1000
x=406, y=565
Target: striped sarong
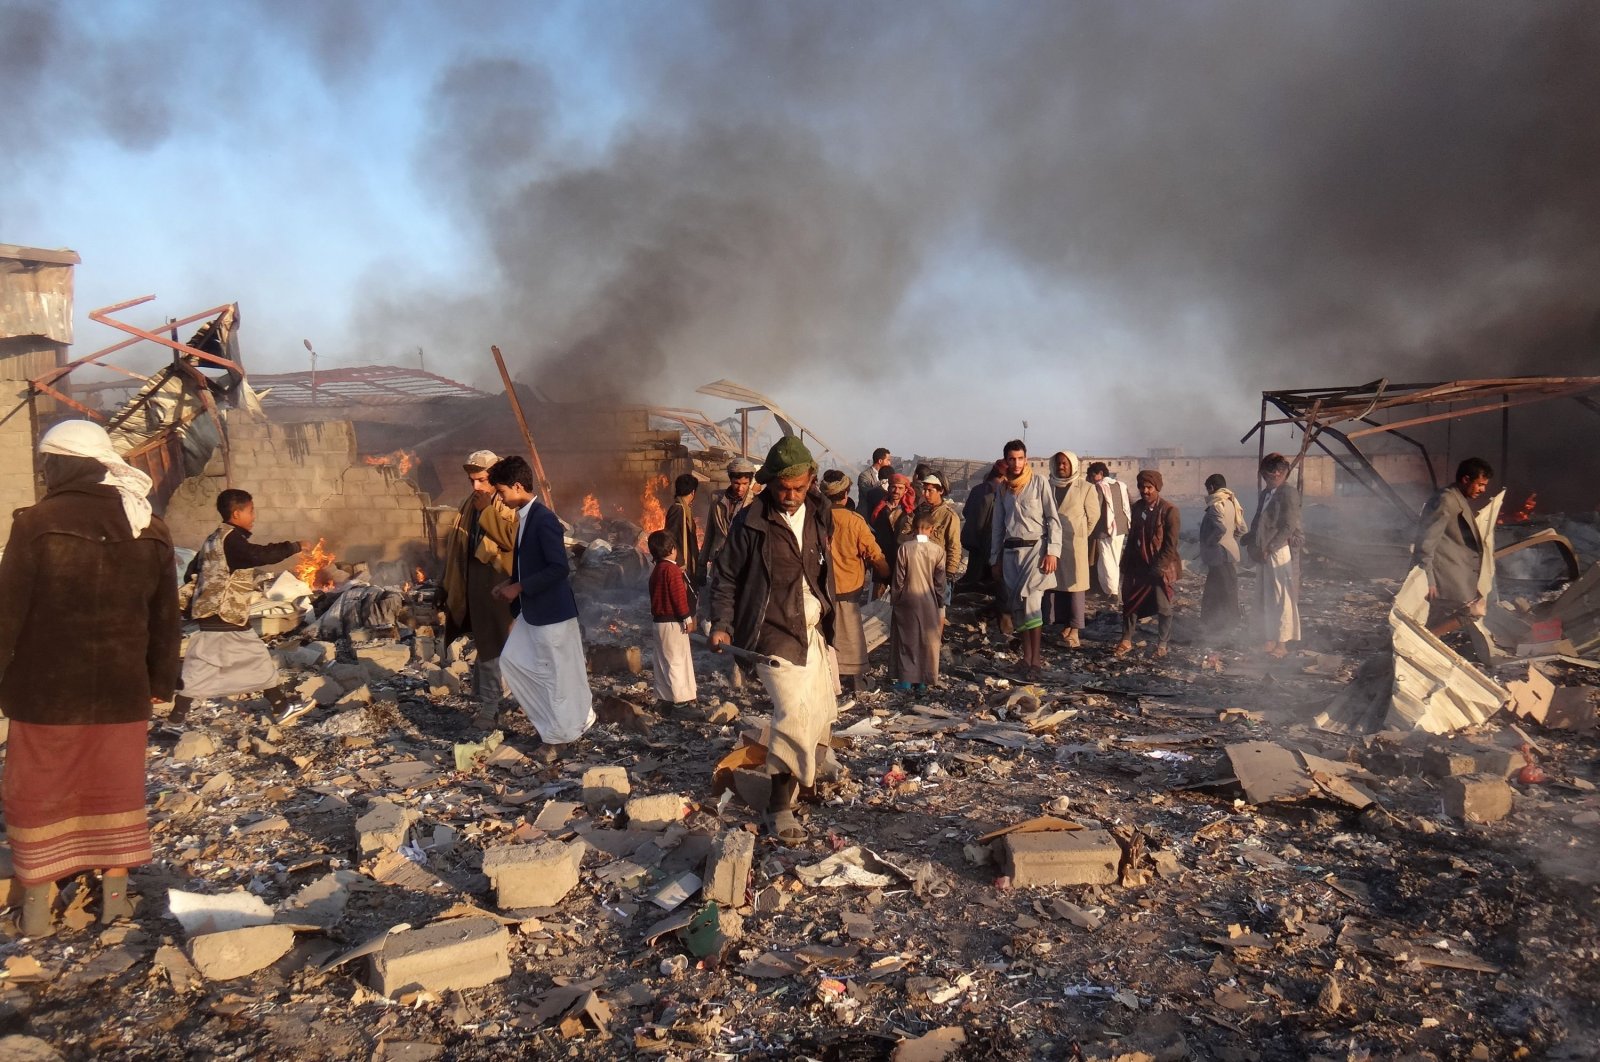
x=74, y=798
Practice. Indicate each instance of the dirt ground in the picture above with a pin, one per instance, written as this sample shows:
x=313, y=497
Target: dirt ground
x=1285, y=931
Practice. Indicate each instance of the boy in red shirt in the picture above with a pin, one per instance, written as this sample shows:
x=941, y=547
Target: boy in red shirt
x=672, y=609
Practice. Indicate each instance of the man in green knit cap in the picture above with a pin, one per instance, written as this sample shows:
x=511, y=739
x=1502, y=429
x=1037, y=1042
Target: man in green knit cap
x=773, y=595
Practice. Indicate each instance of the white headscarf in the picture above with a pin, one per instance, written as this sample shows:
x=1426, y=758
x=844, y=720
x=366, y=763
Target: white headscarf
x=85, y=438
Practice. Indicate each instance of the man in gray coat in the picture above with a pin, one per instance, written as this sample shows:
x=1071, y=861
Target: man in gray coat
x=1451, y=552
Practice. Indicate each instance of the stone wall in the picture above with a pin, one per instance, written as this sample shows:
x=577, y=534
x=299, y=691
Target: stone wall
x=307, y=484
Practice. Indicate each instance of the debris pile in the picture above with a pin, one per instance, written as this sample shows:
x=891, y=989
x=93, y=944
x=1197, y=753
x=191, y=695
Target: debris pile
x=1145, y=858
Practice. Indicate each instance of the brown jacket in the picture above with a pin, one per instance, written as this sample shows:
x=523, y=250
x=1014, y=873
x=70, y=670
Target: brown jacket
x=88, y=613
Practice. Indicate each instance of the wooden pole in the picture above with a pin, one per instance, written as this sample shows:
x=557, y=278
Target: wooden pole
x=527, y=436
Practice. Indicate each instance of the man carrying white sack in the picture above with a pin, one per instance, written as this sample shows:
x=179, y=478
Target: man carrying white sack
x=773, y=595
x=542, y=661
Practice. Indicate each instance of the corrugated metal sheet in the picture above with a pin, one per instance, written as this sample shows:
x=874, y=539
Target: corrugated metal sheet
x=370, y=385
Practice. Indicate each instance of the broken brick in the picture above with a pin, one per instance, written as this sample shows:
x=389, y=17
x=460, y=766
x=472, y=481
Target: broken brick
x=1061, y=857
x=606, y=787
x=455, y=954
x=239, y=952
x=656, y=812
x=727, y=870
x=383, y=828
x=1477, y=798
x=532, y=875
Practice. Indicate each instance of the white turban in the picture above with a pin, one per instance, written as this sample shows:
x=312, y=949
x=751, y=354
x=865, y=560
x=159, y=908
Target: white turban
x=85, y=438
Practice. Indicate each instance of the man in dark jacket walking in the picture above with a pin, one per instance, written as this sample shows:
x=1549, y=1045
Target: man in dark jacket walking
x=773, y=596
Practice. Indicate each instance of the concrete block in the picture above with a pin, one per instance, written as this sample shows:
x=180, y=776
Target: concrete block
x=383, y=828
x=348, y=676
x=1447, y=763
x=193, y=745
x=532, y=875
x=606, y=787
x=455, y=954
x=1064, y=857
x=359, y=695
x=656, y=812
x=1500, y=762
x=727, y=871
x=391, y=656
x=615, y=659
x=319, y=689
x=327, y=652
x=1477, y=797
x=239, y=952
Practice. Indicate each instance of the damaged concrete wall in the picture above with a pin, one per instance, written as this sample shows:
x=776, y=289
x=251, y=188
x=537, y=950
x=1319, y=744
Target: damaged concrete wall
x=35, y=331
x=307, y=484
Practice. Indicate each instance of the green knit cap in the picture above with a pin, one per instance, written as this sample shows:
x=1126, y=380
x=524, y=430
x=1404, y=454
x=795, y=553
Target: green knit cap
x=788, y=457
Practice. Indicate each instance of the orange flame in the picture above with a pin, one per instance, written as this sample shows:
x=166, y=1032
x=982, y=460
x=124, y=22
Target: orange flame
x=402, y=461
x=421, y=575
x=317, y=561
x=652, y=517
x=1523, y=514
x=591, y=506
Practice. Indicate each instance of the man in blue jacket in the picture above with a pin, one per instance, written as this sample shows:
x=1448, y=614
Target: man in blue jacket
x=543, y=661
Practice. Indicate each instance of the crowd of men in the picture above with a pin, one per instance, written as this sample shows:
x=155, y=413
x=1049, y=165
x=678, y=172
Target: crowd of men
x=90, y=612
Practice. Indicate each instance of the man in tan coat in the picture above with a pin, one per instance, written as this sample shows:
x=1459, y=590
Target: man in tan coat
x=477, y=557
x=1079, y=502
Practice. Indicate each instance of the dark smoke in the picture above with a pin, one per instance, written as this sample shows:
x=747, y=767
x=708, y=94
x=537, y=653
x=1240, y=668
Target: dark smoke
x=1320, y=192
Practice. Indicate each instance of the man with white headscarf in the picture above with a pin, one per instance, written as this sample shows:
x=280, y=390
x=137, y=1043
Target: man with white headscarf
x=88, y=641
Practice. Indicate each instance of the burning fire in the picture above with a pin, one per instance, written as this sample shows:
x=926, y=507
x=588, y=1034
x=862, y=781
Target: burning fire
x=402, y=461
x=652, y=517
x=421, y=575
x=1523, y=514
x=591, y=506
x=317, y=560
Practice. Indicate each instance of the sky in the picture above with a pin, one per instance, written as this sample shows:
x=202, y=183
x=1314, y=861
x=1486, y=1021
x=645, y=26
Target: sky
x=915, y=226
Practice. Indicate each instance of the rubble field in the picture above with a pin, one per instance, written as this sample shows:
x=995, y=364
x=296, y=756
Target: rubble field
x=1132, y=859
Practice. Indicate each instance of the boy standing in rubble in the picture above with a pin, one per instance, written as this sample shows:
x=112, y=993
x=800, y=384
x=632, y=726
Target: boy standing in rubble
x=225, y=657
x=672, y=610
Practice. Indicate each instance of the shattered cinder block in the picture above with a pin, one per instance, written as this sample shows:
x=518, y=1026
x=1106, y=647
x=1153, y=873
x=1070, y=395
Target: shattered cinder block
x=387, y=656
x=383, y=828
x=606, y=787
x=239, y=952
x=455, y=954
x=193, y=745
x=1061, y=857
x=1477, y=798
x=727, y=870
x=656, y=812
x=1448, y=763
x=319, y=689
x=359, y=695
x=1501, y=762
x=532, y=875
x=615, y=659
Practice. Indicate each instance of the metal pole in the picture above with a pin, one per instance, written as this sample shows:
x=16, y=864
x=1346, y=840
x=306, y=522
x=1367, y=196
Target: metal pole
x=527, y=436
x=1505, y=438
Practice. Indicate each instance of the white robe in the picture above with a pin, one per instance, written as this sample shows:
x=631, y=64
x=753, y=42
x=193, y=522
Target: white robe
x=545, y=670
x=1280, y=612
x=225, y=663
x=674, y=666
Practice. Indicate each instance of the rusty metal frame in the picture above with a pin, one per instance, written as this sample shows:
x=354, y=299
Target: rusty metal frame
x=45, y=383
x=707, y=432
x=1316, y=411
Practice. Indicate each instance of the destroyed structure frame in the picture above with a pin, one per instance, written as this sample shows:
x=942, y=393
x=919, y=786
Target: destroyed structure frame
x=1316, y=412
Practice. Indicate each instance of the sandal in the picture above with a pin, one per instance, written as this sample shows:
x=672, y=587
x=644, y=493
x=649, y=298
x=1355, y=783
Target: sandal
x=1122, y=649
x=786, y=828
x=1160, y=653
